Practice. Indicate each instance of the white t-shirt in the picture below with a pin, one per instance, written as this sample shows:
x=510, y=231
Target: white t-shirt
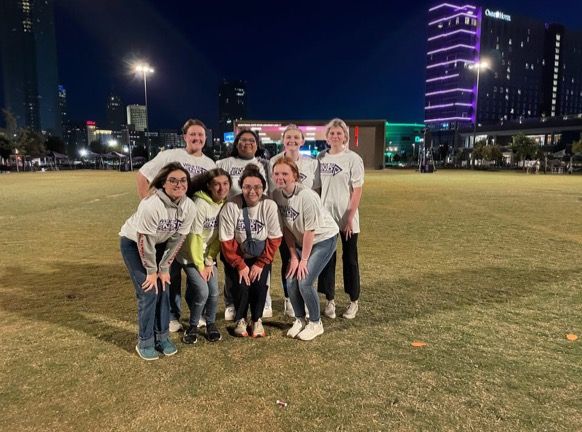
x=302, y=212
x=263, y=218
x=158, y=219
x=340, y=174
x=195, y=165
x=235, y=167
x=308, y=171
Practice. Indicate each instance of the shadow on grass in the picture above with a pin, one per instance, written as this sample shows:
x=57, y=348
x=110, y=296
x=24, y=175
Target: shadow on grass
x=97, y=300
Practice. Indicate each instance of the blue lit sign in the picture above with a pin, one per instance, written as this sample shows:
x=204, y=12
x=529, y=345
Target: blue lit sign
x=229, y=137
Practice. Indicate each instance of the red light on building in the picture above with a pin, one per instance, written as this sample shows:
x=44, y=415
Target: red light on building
x=356, y=133
x=90, y=123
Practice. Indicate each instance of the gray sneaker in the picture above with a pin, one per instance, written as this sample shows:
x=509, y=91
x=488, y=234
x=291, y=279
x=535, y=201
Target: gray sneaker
x=330, y=309
x=295, y=328
x=311, y=331
x=241, y=328
x=175, y=326
x=352, y=310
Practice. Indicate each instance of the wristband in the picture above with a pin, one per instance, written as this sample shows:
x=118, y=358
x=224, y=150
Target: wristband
x=305, y=259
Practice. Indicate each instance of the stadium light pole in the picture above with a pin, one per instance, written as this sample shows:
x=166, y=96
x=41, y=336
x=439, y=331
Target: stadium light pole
x=145, y=69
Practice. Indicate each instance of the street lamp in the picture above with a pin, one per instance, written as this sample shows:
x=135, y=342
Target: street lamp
x=112, y=143
x=145, y=69
x=478, y=65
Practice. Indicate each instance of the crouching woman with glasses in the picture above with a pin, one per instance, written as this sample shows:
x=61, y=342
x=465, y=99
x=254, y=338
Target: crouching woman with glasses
x=310, y=234
x=150, y=239
x=249, y=237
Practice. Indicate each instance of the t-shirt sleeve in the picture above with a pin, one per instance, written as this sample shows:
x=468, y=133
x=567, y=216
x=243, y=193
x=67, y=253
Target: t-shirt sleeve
x=153, y=167
x=310, y=212
x=227, y=222
x=273, y=224
x=316, y=175
x=189, y=215
x=357, y=174
x=198, y=223
x=148, y=216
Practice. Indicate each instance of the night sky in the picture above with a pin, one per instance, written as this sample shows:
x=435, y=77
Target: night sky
x=302, y=59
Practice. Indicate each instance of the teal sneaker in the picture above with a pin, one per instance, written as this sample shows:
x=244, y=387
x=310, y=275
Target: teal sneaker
x=166, y=347
x=147, y=353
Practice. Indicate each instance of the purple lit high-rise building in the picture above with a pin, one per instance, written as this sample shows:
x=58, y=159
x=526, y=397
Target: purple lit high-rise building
x=453, y=36
x=533, y=68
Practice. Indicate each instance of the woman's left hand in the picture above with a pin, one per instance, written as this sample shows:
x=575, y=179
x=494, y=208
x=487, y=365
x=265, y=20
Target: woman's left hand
x=302, y=271
x=164, y=279
x=255, y=273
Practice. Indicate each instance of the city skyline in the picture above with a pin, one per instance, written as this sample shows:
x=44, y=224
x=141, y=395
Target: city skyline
x=304, y=61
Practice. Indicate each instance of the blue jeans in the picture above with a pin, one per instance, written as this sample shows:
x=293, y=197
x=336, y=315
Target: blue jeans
x=201, y=293
x=301, y=292
x=153, y=310
x=175, y=291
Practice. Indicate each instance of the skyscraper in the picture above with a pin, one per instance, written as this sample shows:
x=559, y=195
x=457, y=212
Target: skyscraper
x=115, y=114
x=232, y=103
x=29, y=63
x=137, y=117
x=533, y=69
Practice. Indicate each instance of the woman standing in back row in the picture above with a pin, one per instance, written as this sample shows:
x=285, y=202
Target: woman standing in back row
x=308, y=168
x=342, y=177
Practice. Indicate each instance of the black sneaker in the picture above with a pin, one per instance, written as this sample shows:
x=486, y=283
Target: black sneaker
x=191, y=335
x=212, y=333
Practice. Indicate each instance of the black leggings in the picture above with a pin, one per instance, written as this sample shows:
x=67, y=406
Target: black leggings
x=351, y=270
x=252, y=295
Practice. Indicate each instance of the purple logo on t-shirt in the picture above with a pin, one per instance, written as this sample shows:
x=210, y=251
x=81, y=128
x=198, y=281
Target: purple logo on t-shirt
x=330, y=169
x=236, y=171
x=194, y=170
x=210, y=223
x=288, y=212
x=169, y=225
x=255, y=225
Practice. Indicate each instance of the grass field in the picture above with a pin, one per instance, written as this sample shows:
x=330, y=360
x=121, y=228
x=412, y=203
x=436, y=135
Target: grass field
x=486, y=268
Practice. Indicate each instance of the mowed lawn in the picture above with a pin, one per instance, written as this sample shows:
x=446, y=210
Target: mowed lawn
x=485, y=268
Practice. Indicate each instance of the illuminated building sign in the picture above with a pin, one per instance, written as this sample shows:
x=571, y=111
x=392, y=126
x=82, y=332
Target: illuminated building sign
x=497, y=15
x=90, y=123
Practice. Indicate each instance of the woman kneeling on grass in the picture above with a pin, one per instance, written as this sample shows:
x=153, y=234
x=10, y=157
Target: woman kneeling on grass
x=310, y=233
x=198, y=256
x=150, y=239
x=249, y=237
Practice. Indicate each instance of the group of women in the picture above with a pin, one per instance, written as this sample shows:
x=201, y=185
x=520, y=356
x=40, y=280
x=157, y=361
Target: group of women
x=244, y=210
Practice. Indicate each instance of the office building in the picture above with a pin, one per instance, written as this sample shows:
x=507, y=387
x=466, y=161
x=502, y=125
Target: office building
x=487, y=66
x=137, y=117
x=232, y=103
x=115, y=115
x=29, y=63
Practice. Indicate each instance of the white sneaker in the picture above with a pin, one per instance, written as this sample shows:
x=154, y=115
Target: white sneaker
x=352, y=310
x=202, y=322
x=306, y=312
x=288, y=308
x=295, y=328
x=175, y=326
x=268, y=312
x=241, y=328
x=229, y=313
x=311, y=331
x=330, y=309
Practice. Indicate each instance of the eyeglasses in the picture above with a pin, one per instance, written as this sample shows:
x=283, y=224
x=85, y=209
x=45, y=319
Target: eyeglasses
x=247, y=140
x=175, y=182
x=248, y=188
